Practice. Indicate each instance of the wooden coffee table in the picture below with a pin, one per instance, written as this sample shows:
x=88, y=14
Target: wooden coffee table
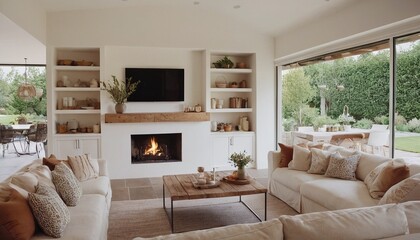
x=180, y=187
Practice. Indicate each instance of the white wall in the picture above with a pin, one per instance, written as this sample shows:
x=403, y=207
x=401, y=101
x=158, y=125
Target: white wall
x=159, y=37
x=359, y=17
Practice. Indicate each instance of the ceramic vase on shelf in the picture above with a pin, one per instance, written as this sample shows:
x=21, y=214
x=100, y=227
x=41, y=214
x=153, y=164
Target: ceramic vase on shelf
x=119, y=107
x=241, y=173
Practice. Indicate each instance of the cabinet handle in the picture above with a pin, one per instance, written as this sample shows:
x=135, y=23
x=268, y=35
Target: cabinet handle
x=231, y=141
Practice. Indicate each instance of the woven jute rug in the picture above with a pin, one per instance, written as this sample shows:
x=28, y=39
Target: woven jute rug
x=147, y=218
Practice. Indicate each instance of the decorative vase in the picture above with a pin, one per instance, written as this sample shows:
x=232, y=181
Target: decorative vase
x=119, y=107
x=241, y=173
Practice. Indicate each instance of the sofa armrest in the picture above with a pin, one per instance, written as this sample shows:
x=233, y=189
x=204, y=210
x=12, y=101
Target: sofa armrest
x=273, y=161
x=103, y=167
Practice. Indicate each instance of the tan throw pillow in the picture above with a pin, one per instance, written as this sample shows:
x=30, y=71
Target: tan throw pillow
x=51, y=161
x=43, y=173
x=384, y=176
x=404, y=191
x=49, y=210
x=301, y=159
x=342, y=167
x=16, y=221
x=84, y=167
x=286, y=155
x=319, y=161
x=66, y=184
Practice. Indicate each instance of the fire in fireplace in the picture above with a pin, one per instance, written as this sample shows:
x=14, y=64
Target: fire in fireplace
x=154, y=148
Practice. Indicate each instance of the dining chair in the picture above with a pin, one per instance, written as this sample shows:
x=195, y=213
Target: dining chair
x=306, y=129
x=38, y=135
x=6, y=136
x=379, y=127
x=376, y=141
x=349, y=140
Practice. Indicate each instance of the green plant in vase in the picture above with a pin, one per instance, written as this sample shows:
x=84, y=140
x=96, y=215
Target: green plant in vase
x=119, y=91
x=223, y=63
x=240, y=160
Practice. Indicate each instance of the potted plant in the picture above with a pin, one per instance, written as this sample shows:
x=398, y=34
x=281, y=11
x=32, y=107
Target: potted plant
x=223, y=63
x=119, y=92
x=240, y=160
x=346, y=118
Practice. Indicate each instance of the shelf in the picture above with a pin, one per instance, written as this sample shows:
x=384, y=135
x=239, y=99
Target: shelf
x=77, y=89
x=77, y=135
x=230, y=90
x=77, y=68
x=230, y=70
x=233, y=133
x=230, y=110
x=78, y=111
x=157, y=117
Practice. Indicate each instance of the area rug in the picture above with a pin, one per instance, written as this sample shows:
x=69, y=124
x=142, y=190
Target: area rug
x=147, y=218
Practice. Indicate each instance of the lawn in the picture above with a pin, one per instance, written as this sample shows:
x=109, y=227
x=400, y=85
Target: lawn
x=409, y=144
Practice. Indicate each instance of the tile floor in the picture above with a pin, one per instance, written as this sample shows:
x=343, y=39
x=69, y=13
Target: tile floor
x=148, y=188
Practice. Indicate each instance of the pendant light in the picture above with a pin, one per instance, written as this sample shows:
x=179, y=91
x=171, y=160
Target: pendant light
x=26, y=91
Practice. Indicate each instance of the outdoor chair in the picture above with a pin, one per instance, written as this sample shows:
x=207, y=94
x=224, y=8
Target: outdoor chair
x=38, y=135
x=376, y=141
x=379, y=127
x=6, y=137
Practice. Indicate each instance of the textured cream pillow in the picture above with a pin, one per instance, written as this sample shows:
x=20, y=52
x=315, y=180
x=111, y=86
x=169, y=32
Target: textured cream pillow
x=49, y=210
x=43, y=173
x=342, y=167
x=301, y=159
x=84, y=167
x=66, y=184
x=384, y=176
x=404, y=191
x=319, y=161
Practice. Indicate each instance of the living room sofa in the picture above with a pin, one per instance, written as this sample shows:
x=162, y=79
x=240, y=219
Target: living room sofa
x=89, y=218
x=389, y=221
x=306, y=192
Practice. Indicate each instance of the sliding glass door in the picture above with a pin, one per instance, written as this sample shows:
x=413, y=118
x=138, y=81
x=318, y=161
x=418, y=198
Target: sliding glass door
x=407, y=100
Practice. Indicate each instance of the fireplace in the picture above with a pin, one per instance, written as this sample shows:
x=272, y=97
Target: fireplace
x=156, y=148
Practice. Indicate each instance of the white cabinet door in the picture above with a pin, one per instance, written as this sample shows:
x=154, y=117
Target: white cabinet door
x=226, y=144
x=77, y=146
x=221, y=152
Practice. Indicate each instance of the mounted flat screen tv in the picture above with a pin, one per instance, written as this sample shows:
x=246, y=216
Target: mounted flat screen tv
x=156, y=84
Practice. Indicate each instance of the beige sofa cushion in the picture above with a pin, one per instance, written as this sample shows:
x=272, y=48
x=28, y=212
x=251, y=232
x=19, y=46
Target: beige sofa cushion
x=384, y=176
x=362, y=223
x=333, y=194
x=99, y=185
x=293, y=179
x=269, y=230
x=406, y=190
x=412, y=212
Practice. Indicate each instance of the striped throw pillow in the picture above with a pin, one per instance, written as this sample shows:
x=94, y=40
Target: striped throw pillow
x=84, y=167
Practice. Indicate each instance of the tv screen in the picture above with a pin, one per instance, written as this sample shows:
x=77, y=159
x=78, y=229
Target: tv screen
x=156, y=84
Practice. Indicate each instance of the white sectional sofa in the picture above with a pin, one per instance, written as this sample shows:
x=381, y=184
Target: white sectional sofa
x=307, y=192
x=390, y=221
x=89, y=218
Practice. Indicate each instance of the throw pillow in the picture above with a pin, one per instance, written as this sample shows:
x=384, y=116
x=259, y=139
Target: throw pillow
x=319, y=161
x=16, y=221
x=384, y=176
x=66, y=184
x=43, y=173
x=49, y=210
x=52, y=161
x=343, y=167
x=301, y=159
x=286, y=155
x=404, y=191
x=84, y=167
x=25, y=180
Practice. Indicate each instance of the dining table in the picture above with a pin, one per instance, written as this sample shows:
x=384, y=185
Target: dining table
x=331, y=137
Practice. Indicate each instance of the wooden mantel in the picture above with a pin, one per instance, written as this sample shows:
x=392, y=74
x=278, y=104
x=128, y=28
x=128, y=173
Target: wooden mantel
x=157, y=117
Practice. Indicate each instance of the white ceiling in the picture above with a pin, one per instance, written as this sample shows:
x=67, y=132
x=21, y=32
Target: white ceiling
x=271, y=17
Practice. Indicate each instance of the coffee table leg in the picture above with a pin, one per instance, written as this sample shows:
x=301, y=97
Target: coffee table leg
x=265, y=206
x=252, y=211
x=172, y=209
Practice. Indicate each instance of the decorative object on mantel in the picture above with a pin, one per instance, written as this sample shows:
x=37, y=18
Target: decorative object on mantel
x=119, y=92
x=240, y=160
